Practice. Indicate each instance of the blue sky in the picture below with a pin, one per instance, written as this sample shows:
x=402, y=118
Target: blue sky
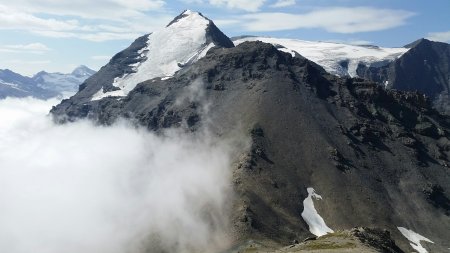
x=59, y=35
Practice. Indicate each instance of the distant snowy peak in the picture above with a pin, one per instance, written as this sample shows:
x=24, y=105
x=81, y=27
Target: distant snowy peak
x=63, y=84
x=182, y=42
x=336, y=58
x=82, y=71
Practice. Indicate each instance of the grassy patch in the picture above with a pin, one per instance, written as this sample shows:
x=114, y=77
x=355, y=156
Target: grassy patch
x=328, y=245
x=339, y=234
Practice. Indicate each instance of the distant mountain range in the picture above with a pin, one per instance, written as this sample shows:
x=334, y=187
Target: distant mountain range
x=42, y=85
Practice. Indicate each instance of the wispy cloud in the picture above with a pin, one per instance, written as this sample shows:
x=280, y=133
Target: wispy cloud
x=337, y=20
x=11, y=19
x=245, y=5
x=439, y=36
x=283, y=3
x=192, y=1
x=37, y=62
x=102, y=24
x=35, y=48
x=99, y=9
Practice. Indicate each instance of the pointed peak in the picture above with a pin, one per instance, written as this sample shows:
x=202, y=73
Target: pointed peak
x=185, y=14
x=82, y=70
x=416, y=43
x=194, y=19
x=190, y=12
x=81, y=67
x=39, y=74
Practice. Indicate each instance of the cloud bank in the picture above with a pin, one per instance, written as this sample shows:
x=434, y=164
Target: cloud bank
x=84, y=188
x=337, y=20
x=97, y=21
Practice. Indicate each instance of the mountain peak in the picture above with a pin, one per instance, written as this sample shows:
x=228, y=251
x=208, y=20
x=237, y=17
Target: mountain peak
x=190, y=12
x=189, y=16
x=82, y=70
x=417, y=42
x=185, y=40
x=189, y=19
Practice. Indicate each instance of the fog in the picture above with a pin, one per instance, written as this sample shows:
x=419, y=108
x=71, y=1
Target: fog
x=83, y=188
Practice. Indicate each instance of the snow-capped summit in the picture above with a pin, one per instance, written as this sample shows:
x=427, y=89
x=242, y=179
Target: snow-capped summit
x=63, y=84
x=183, y=41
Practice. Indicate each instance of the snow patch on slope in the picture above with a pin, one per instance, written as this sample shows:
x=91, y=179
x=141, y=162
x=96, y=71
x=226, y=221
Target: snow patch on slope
x=315, y=222
x=12, y=85
x=64, y=84
x=334, y=57
x=414, y=239
x=168, y=50
x=60, y=82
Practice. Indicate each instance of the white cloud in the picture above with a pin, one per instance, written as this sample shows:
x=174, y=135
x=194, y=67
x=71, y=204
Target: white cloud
x=35, y=48
x=32, y=46
x=84, y=188
x=227, y=22
x=37, y=62
x=439, y=36
x=119, y=21
x=192, y=1
x=253, y=5
x=99, y=9
x=283, y=3
x=338, y=20
x=13, y=19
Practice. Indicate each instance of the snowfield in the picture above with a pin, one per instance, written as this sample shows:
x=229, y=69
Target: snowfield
x=315, y=222
x=336, y=58
x=414, y=239
x=167, y=51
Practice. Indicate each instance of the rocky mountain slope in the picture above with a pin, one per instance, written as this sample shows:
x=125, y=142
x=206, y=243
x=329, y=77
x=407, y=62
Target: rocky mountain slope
x=424, y=68
x=43, y=85
x=326, y=153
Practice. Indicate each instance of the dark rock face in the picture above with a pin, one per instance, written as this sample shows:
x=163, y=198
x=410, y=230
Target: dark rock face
x=368, y=151
x=377, y=239
x=424, y=68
